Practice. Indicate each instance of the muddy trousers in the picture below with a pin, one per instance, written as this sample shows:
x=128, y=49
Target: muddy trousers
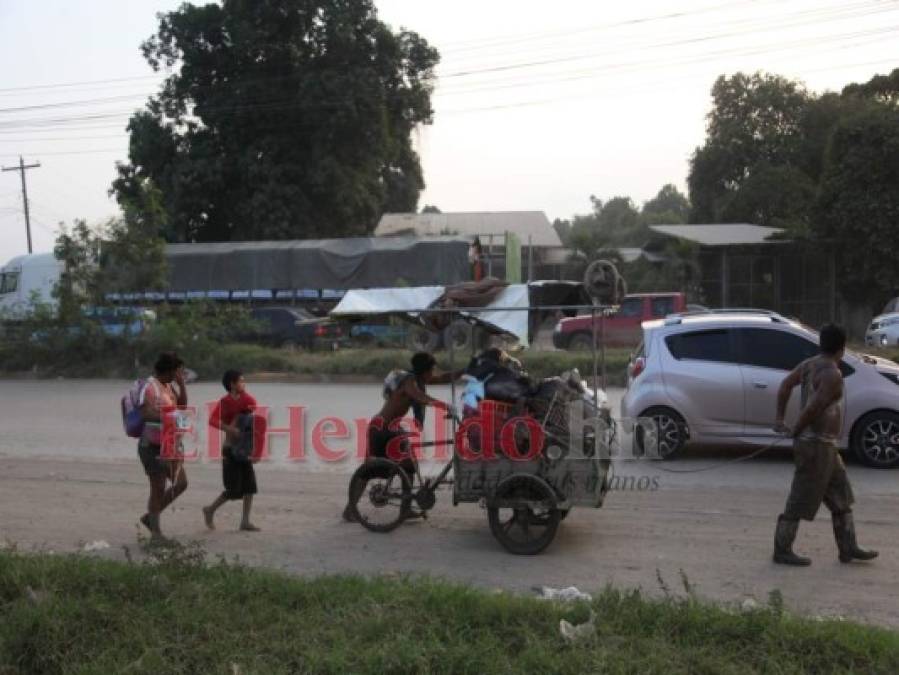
x=820, y=477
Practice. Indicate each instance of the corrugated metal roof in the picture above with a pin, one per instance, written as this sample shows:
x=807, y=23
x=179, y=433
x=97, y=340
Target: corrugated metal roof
x=349, y=245
x=721, y=235
x=523, y=223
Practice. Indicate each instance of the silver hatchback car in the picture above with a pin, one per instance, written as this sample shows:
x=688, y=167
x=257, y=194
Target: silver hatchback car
x=712, y=379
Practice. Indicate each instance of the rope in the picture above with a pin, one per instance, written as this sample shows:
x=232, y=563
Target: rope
x=755, y=453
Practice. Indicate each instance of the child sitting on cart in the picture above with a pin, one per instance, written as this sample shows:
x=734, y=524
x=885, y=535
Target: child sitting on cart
x=404, y=391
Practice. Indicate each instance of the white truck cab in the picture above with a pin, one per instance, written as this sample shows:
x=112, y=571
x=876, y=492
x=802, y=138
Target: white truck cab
x=24, y=276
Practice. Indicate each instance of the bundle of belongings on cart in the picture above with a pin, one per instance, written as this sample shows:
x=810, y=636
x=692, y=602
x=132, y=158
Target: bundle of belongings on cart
x=499, y=379
x=468, y=294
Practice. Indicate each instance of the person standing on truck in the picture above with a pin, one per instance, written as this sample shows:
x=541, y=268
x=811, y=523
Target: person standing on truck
x=403, y=391
x=162, y=394
x=820, y=474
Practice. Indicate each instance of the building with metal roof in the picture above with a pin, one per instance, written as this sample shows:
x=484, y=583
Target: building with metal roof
x=728, y=234
x=532, y=227
x=745, y=265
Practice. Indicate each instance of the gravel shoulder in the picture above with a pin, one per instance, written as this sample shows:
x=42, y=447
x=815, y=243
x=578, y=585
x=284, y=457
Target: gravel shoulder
x=715, y=532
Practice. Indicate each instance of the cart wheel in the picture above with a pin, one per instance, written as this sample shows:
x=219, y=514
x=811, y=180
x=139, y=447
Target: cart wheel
x=380, y=495
x=523, y=515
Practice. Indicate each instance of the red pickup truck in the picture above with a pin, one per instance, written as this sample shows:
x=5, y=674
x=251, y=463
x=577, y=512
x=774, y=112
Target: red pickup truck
x=623, y=328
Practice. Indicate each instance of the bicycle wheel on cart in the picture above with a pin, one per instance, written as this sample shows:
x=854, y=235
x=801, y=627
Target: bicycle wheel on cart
x=523, y=514
x=380, y=495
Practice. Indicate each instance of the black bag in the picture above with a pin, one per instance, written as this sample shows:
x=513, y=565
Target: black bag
x=242, y=450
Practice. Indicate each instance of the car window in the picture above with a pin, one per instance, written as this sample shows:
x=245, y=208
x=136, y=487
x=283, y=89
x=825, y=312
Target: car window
x=703, y=345
x=264, y=315
x=283, y=317
x=631, y=307
x=9, y=282
x=770, y=348
x=661, y=307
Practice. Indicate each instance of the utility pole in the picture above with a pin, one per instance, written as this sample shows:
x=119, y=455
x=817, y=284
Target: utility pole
x=21, y=169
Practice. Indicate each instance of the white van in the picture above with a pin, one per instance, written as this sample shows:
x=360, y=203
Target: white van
x=24, y=275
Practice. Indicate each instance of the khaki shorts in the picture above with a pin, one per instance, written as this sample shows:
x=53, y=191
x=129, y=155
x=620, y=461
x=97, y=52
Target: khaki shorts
x=820, y=477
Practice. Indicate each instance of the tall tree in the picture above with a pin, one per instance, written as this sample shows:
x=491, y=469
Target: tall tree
x=756, y=122
x=123, y=255
x=613, y=223
x=280, y=119
x=858, y=207
x=669, y=206
x=882, y=88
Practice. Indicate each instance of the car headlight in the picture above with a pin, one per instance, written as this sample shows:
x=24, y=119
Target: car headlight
x=884, y=340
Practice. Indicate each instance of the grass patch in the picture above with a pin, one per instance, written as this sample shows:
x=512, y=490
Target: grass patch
x=211, y=361
x=378, y=362
x=364, y=363
x=73, y=614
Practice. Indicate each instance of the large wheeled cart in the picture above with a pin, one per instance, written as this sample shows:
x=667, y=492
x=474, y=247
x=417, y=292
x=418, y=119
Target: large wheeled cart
x=527, y=463
x=528, y=477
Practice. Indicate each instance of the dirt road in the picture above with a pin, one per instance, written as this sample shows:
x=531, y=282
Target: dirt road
x=713, y=528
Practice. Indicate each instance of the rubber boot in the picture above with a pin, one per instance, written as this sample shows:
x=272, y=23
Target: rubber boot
x=844, y=533
x=784, y=536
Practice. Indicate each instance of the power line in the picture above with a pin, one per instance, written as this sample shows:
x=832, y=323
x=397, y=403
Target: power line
x=485, y=42
x=51, y=123
x=62, y=138
x=803, y=17
x=650, y=85
x=747, y=25
x=72, y=104
x=529, y=103
x=490, y=42
x=637, y=66
x=80, y=152
x=582, y=57
x=73, y=84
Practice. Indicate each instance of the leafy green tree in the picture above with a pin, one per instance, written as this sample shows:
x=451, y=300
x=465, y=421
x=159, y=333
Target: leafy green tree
x=612, y=224
x=882, y=88
x=858, y=206
x=132, y=254
x=281, y=119
x=775, y=196
x=430, y=208
x=78, y=249
x=563, y=229
x=669, y=206
x=756, y=122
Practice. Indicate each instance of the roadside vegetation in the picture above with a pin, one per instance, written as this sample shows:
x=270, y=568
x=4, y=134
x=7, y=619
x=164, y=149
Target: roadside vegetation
x=376, y=363
x=174, y=614
x=204, y=338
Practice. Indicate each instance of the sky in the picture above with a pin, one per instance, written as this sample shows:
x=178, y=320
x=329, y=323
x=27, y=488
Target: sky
x=538, y=104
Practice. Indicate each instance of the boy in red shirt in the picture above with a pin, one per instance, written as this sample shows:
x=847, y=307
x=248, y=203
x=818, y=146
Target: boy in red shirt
x=238, y=476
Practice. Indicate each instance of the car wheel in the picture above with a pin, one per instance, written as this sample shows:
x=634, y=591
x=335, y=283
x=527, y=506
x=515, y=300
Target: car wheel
x=581, y=342
x=420, y=339
x=459, y=334
x=665, y=438
x=875, y=439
